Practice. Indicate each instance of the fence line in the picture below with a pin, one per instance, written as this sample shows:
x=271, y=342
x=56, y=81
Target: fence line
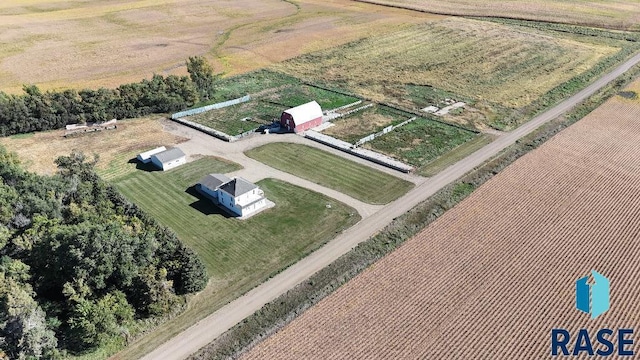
x=356, y=110
x=204, y=129
x=244, y=134
x=384, y=131
x=344, y=106
x=219, y=105
x=359, y=152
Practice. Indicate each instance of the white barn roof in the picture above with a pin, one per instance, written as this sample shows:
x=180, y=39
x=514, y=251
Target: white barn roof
x=305, y=112
x=169, y=155
x=147, y=154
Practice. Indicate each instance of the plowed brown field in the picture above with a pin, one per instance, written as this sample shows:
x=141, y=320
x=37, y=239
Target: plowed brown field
x=494, y=275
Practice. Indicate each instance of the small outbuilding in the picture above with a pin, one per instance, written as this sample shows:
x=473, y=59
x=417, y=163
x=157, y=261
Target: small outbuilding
x=168, y=159
x=302, y=118
x=238, y=196
x=145, y=157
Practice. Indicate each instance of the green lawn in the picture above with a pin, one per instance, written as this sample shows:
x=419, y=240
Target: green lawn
x=356, y=180
x=239, y=254
x=231, y=247
x=421, y=141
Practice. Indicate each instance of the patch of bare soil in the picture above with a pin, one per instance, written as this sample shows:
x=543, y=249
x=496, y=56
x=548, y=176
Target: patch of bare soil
x=39, y=151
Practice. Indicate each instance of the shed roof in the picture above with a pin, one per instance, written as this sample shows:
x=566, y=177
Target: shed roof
x=213, y=181
x=305, y=112
x=238, y=186
x=147, y=154
x=169, y=155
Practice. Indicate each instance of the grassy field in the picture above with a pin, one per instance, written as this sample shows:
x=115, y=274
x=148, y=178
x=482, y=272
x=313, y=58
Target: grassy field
x=252, y=83
x=421, y=141
x=356, y=180
x=354, y=127
x=495, y=67
x=454, y=155
x=236, y=119
x=615, y=14
x=114, y=147
x=77, y=43
x=239, y=254
x=292, y=96
x=501, y=266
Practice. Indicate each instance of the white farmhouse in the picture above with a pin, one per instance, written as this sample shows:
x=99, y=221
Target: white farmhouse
x=168, y=159
x=209, y=185
x=237, y=195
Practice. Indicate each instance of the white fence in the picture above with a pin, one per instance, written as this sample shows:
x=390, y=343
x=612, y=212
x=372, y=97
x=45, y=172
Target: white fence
x=384, y=131
x=344, y=106
x=220, y=105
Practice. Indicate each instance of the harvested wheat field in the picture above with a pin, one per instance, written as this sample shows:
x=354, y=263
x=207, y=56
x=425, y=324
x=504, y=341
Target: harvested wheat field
x=80, y=43
x=497, y=66
x=494, y=275
x=499, y=63
x=114, y=147
x=615, y=14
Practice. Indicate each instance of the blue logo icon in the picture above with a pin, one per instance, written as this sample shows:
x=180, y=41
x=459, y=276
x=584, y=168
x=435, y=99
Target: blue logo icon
x=592, y=295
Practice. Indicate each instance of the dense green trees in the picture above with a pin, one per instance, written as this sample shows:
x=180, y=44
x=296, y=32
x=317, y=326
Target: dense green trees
x=79, y=263
x=202, y=76
x=36, y=110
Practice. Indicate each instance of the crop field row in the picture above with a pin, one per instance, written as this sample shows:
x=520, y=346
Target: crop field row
x=616, y=14
x=496, y=67
x=356, y=180
x=491, y=277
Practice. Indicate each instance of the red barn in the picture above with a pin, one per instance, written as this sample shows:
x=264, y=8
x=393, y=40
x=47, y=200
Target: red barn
x=301, y=118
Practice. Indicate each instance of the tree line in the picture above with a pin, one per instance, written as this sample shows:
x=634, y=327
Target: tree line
x=36, y=110
x=79, y=264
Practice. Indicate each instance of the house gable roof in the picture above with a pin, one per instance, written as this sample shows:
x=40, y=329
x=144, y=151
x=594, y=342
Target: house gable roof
x=213, y=181
x=238, y=186
x=169, y=155
x=305, y=112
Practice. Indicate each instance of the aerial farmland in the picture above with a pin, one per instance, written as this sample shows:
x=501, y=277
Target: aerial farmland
x=622, y=15
x=384, y=135
x=494, y=275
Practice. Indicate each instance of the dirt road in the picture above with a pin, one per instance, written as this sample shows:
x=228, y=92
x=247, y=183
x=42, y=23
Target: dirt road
x=217, y=323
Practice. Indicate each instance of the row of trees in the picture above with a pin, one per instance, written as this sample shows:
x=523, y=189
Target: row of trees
x=79, y=263
x=36, y=110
